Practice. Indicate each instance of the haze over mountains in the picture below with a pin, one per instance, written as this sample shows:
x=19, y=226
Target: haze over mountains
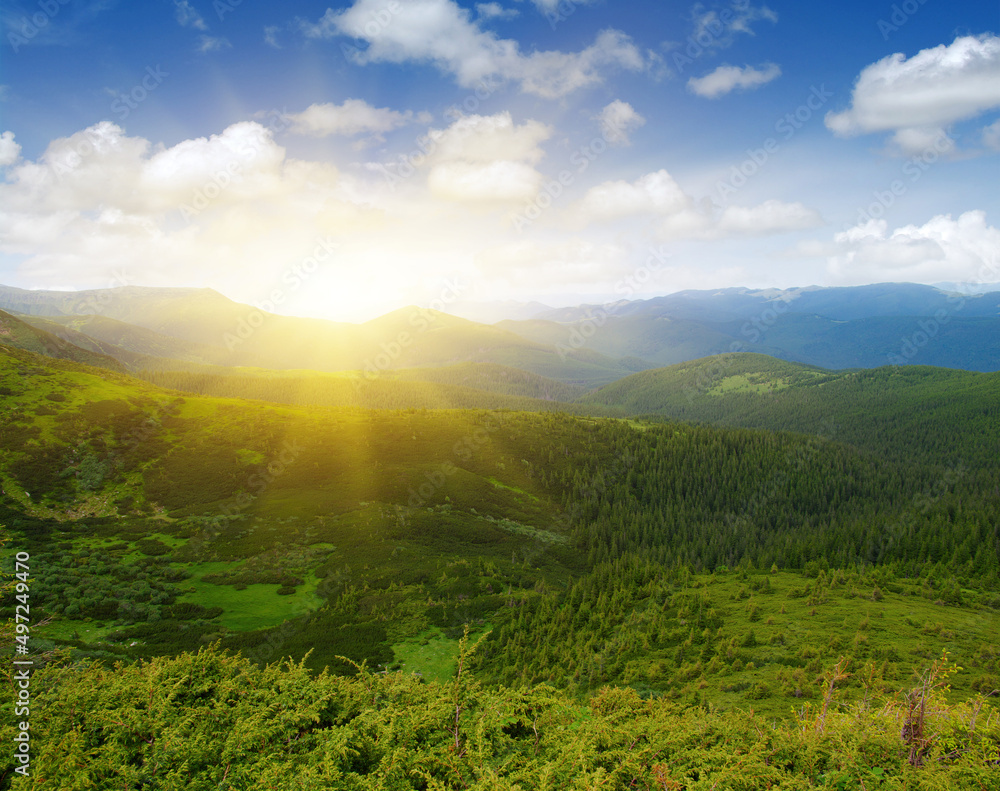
x=588, y=345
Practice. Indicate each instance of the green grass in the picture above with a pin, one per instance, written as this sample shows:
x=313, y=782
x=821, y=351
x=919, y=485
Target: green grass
x=255, y=607
x=431, y=654
x=744, y=384
x=900, y=634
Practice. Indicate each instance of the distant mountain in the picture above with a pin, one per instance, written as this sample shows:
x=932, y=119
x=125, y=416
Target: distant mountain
x=201, y=326
x=20, y=335
x=493, y=312
x=129, y=343
x=587, y=345
x=968, y=288
x=863, y=326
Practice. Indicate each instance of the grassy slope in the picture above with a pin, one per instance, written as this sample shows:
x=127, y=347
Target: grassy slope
x=18, y=334
x=896, y=411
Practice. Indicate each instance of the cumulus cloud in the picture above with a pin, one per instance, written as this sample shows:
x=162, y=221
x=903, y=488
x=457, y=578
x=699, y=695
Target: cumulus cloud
x=727, y=78
x=678, y=215
x=769, y=217
x=10, y=151
x=966, y=249
x=617, y=121
x=486, y=158
x=100, y=199
x=353, y=117
x=482, y=138
x=654, y=193
x=919, y=98
x=442, y=33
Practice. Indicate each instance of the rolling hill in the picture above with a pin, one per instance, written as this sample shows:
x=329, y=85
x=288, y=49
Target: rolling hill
x=902, y=412
x=18, y=334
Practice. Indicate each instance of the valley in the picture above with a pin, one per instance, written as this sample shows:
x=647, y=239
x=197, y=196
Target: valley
x=721, y=534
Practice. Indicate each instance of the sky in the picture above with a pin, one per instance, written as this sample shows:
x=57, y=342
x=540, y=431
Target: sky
x=342, y=161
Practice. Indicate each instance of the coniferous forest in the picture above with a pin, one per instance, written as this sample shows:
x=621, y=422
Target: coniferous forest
x=241, y=593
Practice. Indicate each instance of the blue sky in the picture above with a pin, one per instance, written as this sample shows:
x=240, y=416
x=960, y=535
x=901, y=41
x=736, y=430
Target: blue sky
x=341, y=161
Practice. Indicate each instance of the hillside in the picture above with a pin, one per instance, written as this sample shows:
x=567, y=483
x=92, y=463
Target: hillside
x=463, y=386
x=189, y=327
x=134, y=346
x=161, y=521
x=18, y=334
x=933, y=414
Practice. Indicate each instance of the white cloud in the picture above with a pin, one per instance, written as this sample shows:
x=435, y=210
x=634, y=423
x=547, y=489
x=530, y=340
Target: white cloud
x=353, y=117
x=495, y=11
x=10, y=151
x=441, y=32
x=966, y=249
x=551, y=7
x=271, y=36
x=654, y=193
x=718, y=29
x=188, y=16
x=770, y=217
x=484, y=138
x=991, y=136
x=486, y=158
x=494, y=181
x=618, y=120
x=678, y=216
x=727, y=78
x=920, y=97
x=231, y=204
x=213, y=43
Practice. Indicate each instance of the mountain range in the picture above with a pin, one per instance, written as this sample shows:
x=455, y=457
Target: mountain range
x=589, y=345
